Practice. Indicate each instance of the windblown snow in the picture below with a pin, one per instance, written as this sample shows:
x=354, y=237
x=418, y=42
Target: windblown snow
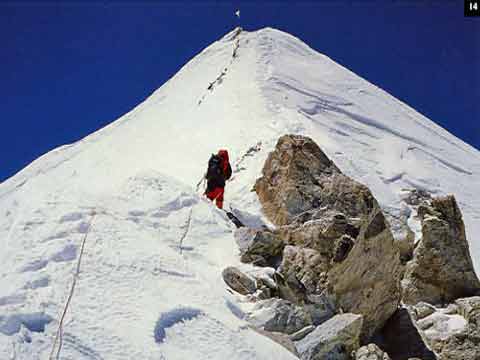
x=149, y=285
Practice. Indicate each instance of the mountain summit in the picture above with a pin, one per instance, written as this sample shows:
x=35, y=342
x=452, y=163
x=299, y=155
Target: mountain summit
x=121, y=205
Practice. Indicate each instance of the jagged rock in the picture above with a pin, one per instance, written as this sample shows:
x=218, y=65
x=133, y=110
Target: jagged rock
x=263, y=293
x=441, y=326
x=422, y=310
x=239, y=281
x=453, y=333
x=343, y=246
x=335, y=339
x=260, y=247
x=367, y=281
x=279, y=315
x=290, y=288
x=469, y=308
x=459, y=346
x=441, y=269
x=341, y=241
x=319, y=230
x=307, y=265
x=298, y=177
x=320, y=312
x=300, y=334
x=279, y=338
x=451, y=336
x=401, y=339
x=371, y=352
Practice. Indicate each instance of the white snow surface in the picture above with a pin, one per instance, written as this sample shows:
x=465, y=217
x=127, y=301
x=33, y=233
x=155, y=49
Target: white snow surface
x=139, y=175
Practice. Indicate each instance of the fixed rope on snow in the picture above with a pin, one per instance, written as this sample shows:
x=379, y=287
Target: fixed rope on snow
x=59, y=334
x=187, y=228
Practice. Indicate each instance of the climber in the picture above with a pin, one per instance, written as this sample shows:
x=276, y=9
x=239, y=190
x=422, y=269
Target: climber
x=219, y=170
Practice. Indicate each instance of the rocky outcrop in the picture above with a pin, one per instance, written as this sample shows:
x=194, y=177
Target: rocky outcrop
x=307, y=265
x=367, y=282
x=333, y=255
x=453, y=333
x=401, y=338
x=469, y=308
x=278, y=315
x=260, y=247
x=371, y=352
x=335, y=339
x=299, y=177
x=337, y=240
x=239, y=281
x=300, y=334
x=441, y=269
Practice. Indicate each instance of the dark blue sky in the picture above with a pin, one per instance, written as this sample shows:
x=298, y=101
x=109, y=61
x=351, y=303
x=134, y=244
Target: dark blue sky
x=68, y=69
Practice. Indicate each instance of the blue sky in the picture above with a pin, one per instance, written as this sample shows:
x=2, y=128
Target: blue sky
x=69, y=68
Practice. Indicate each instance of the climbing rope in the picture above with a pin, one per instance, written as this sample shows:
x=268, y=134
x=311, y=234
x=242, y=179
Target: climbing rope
x=187, y=228
x=59, y=334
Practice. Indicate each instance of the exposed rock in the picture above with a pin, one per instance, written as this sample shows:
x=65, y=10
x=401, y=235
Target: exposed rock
x=343, y=246
x=415, y=197
x=341, y=240
x=300, y=334
x=307, y=265
x=453, y=333
x=290, y=288
x=260, y=247
x=422, y=310
x=469, y=308
x=319, y=230
x=371, y=352
x=298, y=177
x=239, y=281
x=262, y=293
x=265, y=277
x=451, y=309
x=450, y=333
x=440, y=326
x=401, y=339
x=335, y=339
x=441, y=270
x=279, y=315
x=279, y=338
x=321, y=311
x=367, y=281
x=459, y=346
x=451, y=336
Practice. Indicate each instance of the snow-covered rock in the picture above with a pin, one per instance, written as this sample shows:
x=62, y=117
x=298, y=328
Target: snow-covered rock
x=279, y=315
x=453, y=332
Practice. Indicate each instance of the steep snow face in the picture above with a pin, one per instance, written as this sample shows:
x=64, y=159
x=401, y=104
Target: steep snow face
x=150, y=282
x=370, y=135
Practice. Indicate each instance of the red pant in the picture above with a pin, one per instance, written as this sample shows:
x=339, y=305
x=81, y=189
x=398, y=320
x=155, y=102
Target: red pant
x=217, y=195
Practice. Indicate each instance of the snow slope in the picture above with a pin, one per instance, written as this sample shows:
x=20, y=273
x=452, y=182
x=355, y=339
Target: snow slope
x=150, y=282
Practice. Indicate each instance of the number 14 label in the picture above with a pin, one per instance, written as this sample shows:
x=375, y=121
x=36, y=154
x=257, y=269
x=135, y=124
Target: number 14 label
x=472, y=8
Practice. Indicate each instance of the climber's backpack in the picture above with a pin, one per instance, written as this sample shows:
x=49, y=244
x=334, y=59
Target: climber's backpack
x=215, y=168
